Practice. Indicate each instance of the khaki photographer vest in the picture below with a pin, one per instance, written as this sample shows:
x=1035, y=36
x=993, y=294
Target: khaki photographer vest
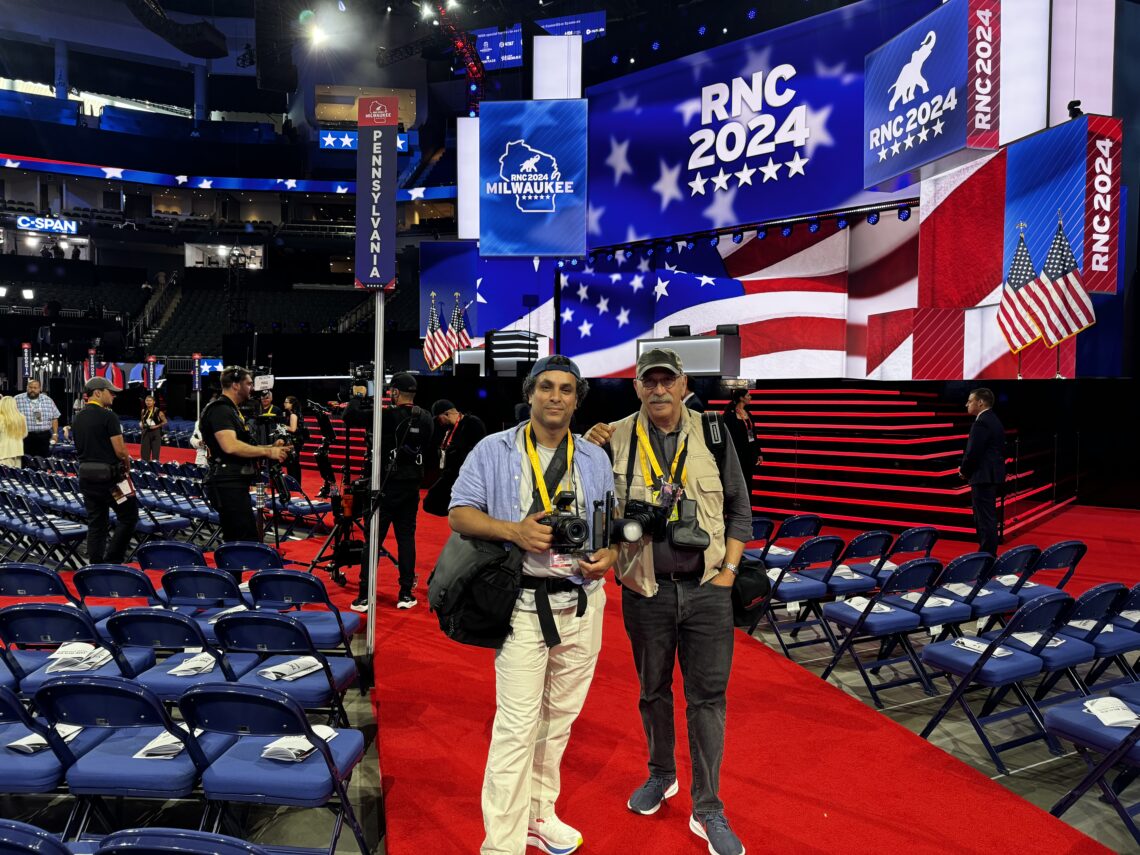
x=634, y=567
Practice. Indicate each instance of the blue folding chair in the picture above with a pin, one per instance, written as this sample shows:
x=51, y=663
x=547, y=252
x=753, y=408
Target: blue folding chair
x=19, y=838
x=238, y=556
x=999, y=666
x=279, y=639
x=1010, y=568
x=889, y=620
x=796, y=527
x=34, y=582
x=116, y=582
x=183, y=639
x=175, y=841
x=1063, y=556
x=1129, y=615
x=917, y=542
x=965, y=580
x=329, y=628
x=1092, y=622
x=33, y=631
x=257, y=716
x=166, y=554
x=208, y=592
x=841, y=578
x=41, y=771
x=134, y=716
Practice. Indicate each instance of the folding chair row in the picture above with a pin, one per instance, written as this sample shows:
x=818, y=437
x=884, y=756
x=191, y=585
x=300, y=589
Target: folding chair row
x=216, y=757
x=33, y=533
x=20, y=838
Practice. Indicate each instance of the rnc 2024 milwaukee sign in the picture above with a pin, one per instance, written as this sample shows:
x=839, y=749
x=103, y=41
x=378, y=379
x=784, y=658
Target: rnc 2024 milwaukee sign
x=532, y=178
x=932, y=91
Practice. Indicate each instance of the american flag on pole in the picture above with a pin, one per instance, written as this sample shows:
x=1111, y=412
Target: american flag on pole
x=1019, y=309
x=436, y=349
x=457, y=330
x=1061, y=294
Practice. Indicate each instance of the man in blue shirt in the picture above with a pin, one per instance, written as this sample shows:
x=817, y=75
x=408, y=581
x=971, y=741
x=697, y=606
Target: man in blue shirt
x=508, y=483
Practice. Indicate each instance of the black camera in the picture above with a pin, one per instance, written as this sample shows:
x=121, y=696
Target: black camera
x=362, y=372
x=681, y=533
x=652, y=518
x=570, y=530
x=607, y=530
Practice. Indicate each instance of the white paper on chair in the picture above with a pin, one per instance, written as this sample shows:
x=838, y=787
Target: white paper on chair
x=77, y=656
x=1008, y=580
x=165, y=746
x=963, y=590
x=33, y=742
x=889, y=566
x=933, y=602
x=1112, y=712
x=1087, y=625
x=845, y=572
x=975, y=646
x=294, y=749
x=230, y=611
x=291, y=670
x=774, y=574
x=203, y=663
x=778, y=550
x=1031, y=638
x=1131, y=615
x=860, y=605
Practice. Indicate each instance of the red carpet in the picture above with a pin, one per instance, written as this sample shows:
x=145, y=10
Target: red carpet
x=807, y=768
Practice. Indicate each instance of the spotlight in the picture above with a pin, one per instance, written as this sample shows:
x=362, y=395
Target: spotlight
x=714, y=240
x=786, y=231
x=632, y=60
x=751, y=14
x=873, y=218
x=451, y=4
x=223, y=251
x=648, y=253
x=813, y=226
x=474, y=87
x=471, y=114
x=737, y=237
x=317, y=36
x=425, y=9
x=435, y=22
x=628, y=254
x=3, y=290
x=33, y=242
x=340, y=7
x=592, y=259
x=702, y=29
x=614, y=59
x=28, y=294
x=724, y=31
x=655, y=46
x=561, y=263
x=689, y=244
x=63, y=244
x=904, y=214
x=573, y=262
x=841, y=223
x=609, y=256
x=668, y=248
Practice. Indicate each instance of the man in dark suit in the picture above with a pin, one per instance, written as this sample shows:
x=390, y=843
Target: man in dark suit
x=983, y=466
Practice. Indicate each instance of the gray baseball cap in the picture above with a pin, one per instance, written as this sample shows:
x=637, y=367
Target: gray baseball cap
x=96, y=383
x=660, y=357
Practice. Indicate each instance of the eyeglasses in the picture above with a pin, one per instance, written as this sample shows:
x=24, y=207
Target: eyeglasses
x=664, y=382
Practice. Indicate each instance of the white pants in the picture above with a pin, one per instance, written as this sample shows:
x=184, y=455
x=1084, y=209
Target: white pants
x=539, y=692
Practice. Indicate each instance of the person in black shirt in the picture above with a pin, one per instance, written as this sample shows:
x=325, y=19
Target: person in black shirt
x=405, y=430
x=461, y=432
x=103, y=466
x=983, y=466
x=231, y=455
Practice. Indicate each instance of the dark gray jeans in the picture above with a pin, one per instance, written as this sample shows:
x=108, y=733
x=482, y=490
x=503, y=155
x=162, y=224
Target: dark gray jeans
x=693, y=623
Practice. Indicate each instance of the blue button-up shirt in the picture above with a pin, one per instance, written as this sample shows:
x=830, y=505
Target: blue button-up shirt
x=39, y=412
x=489, y=478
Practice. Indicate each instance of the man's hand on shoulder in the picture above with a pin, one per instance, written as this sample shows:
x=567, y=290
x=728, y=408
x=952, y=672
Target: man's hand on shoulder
x=600, y=434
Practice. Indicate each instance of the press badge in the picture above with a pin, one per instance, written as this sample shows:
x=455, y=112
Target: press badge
x=562, y=563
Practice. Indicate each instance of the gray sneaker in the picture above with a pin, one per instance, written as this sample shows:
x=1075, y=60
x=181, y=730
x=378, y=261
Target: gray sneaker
x=647, y=798
x=713, y=827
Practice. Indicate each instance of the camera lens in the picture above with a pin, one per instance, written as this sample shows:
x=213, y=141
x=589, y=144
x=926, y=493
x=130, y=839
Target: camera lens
x=573, y=531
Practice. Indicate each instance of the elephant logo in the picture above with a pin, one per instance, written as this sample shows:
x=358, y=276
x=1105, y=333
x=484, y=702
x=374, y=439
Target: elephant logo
x=910, y=78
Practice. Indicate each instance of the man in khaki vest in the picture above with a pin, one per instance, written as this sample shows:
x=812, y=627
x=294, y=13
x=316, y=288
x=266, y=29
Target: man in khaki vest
x=676, y=596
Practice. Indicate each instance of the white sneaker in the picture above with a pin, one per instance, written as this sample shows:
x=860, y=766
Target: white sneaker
x=553, y=836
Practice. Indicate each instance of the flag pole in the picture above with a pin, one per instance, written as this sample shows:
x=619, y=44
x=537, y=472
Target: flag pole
x=1019, y=365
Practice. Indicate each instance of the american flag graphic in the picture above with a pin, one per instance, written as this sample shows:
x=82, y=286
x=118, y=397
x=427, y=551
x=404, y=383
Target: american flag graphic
x=436, y=350
x=1061, y=294
x=1019, y=305
x=457, y=329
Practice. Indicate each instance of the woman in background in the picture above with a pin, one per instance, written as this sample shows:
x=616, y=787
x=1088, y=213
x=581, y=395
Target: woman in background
x=743, y=432
x=151, y=421
x=13, y=429
x=294, y=422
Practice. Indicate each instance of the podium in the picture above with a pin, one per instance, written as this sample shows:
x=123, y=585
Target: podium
x=702, y=355
x=510, y=354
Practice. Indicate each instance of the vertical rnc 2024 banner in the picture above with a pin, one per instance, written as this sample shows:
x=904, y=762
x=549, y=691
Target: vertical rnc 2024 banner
x=532, y=178
x=376, y=193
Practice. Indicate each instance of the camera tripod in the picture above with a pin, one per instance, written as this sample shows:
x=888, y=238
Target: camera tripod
x=347, y=552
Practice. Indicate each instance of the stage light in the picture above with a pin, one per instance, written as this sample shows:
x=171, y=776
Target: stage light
x=714, y=240
x=655, y=46
x=609, y=256
x=3, y=290
x=28, y=294
x=33, y=242
x=425, y=9
x=786, y=231
x=628, y=254
x=668, y=248
x=573, y=262
x=317, y=36
x=389, y=10
x=63, y=244
x=614, y=59
x=306, y=16
x=632, y=60
x=737, y=237
x=873, y=218
x=841, y=223
x=724, y=31
x=435, y=22
x=648, y=253
x=474, y=87
x=451, y=4
x=702, y=29
x=592, y=259
x=904, y=214
x=761, y=234
x=471, y=114
x=340, y=6
x=223, y=251
x=689, y=244
x=813, y=226
x=561, y=263
x=751, y=14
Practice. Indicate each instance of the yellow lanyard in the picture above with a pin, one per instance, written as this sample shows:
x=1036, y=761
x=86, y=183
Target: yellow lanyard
x=94, y=403
x=648, y=458
x=536, y=465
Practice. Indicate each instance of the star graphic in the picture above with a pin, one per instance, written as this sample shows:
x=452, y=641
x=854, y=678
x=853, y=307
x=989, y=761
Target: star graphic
x=643, y=265
x=688, y=109
x=923, y=135
x=603, y=305
x=797, y=164
x=909, y=141
x=720, y=180
x=583, y=292
x=346, y=141
x=584, y=329
x=895, y=148
x=291, y=184
x=682, y=245
x=938, y=126
x=672, y=268
x=720, y=212
x=668, y=186
x=618, y=160
x=627, y=104
x=706, y=280
x=181, y=179
x=207, y=184
x=839, y=71
x=623, y=318
x=594, y=219
x=112, y=172
x=401, y=142
x=619, y=256
x=661, y=289
x=11, y=164
x=417, y=192
x=615, y=277
x=756, y=61
x=567, y=315
x=587, y=269
x=744, y=176
x=633, y=237
x=882, y=154
x=698, y=185
x=771, y=171
x=697, y=63
x=329, y=140
x=563, y=284
x=817, y=123
x=341, y=189
x=637, y=283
